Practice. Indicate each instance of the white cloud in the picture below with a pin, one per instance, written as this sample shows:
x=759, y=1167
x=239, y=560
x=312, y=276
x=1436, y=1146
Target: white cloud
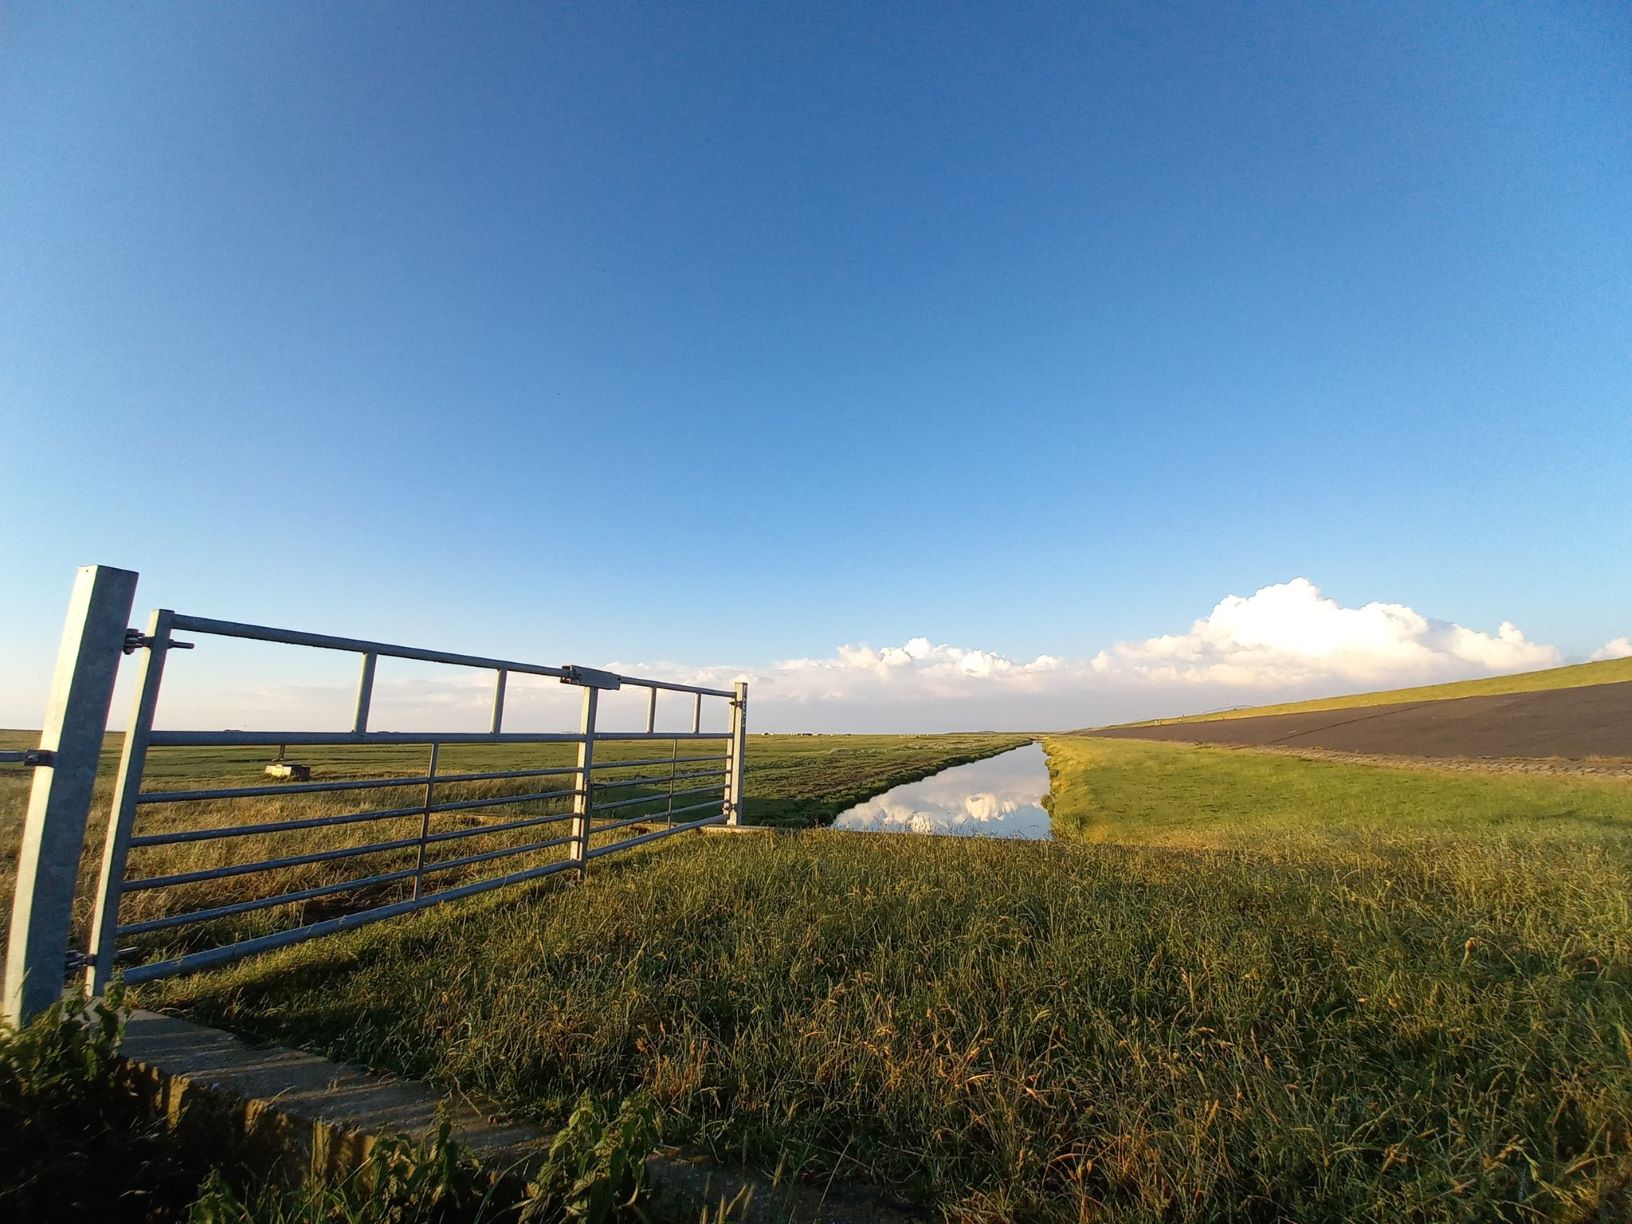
x=1290, y=634
x=1615, y=648
x=1282, y=642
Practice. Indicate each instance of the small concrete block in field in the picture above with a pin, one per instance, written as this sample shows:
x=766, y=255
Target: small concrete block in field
x=290, y=771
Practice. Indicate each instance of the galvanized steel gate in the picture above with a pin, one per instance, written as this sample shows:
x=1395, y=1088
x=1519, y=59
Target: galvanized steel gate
x=195, y=928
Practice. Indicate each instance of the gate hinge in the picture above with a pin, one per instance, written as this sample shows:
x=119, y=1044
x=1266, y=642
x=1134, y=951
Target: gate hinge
x=78, y=960
x=136, y=640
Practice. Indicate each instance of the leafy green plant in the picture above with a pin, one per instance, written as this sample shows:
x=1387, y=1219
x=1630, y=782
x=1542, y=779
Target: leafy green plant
x=594, y=1172
x=596, y=1167
x=432, y=1181
x=73, y=1142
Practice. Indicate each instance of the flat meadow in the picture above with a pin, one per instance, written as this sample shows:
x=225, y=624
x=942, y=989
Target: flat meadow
x=1237, y=985
x=792, y=781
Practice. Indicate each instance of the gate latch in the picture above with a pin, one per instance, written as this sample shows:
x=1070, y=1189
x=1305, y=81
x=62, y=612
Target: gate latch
x=589, y=677
x=35, y=757
x=136, y=640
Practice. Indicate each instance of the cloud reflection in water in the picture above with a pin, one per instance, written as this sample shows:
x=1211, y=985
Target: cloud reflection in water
x=998, y=797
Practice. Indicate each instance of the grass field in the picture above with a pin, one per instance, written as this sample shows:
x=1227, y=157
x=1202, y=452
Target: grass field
x=1269, y=804
x=1579, y=675
x=1240, y=986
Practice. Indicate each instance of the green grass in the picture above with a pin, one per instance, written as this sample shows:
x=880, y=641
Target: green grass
x=1579, y=675
x=1267, y=803
x=1290, y=989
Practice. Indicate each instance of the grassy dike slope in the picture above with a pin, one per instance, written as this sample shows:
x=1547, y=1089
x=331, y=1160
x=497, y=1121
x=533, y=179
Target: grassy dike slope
x=1291, y=990
x=1274, y=805
x=1578, y=675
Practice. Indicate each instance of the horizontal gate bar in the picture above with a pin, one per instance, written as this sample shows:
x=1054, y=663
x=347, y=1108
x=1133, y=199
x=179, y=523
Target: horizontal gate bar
x=343, y=739
x=502, y=852
x=662, y=780
x=324, y=641
x=660, y=833
x=650, y=817
x=272, y=826
x=238, y=869
x=317, y=822
x=668, y=687
x=654, y=761
x=312, y=788
x=183, y=623
x=266, y=943
x=662, y=735
x=260, y=903
x=479, y=830
x=662, y=798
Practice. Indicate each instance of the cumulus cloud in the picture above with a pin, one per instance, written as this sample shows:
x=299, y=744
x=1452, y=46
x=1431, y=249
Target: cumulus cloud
x=1283, y=641
x=1291, y=634
x=1615, y=648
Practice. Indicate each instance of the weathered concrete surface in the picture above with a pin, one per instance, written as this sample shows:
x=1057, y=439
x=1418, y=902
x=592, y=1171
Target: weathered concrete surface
x=1594, y=721
x=286, y=1114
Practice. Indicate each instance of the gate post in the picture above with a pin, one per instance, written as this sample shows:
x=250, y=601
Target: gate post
x=122, y=815
x=59, y=802
x=583, y=801
x=735, y=752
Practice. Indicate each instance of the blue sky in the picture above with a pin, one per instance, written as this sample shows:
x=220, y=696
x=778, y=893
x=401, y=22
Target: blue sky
x=725, y=335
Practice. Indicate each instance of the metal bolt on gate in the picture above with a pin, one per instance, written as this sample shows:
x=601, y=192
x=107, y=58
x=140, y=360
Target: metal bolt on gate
x=610, y=796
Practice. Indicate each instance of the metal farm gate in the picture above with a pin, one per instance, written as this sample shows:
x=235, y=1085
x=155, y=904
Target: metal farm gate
x=195, y=874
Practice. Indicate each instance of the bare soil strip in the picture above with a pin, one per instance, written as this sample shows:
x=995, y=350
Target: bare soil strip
x=1597, y=768
x=1574, y=724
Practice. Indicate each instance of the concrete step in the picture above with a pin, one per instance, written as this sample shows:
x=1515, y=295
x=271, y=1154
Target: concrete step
x=286, y=1114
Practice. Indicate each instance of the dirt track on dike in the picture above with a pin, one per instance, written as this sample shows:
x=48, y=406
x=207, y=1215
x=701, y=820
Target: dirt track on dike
x=1573, y=724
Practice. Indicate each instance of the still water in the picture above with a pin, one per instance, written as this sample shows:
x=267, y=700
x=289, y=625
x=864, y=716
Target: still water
x=1001, y=796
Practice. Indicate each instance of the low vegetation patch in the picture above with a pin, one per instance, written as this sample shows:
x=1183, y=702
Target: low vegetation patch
x=1404, y=1002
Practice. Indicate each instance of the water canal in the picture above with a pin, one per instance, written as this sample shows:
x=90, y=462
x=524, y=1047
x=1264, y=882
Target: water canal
x=1001, y=796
